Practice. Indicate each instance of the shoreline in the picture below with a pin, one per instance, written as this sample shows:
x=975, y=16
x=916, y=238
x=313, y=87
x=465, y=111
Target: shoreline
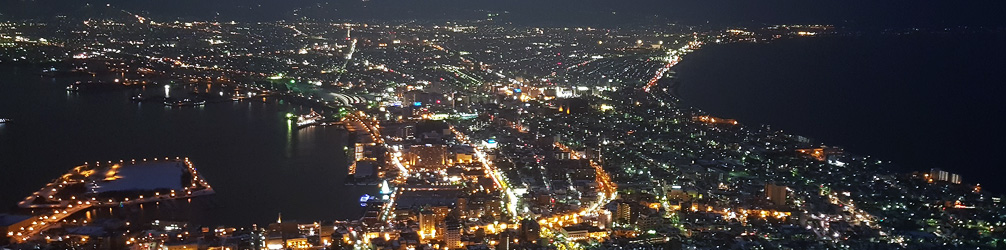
x=284, y=151
x=67, y=208
x=755, y=91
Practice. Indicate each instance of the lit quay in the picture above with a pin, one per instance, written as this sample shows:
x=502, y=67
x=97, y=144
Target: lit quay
x=108, y=184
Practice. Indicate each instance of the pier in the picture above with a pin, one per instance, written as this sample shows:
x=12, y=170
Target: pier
x=63, y=198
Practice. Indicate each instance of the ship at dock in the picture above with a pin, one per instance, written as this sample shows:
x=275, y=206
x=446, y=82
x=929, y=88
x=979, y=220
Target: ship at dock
x=309, y=119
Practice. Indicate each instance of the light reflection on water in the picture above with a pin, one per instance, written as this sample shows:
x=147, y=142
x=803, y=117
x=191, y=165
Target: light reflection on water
x=289, y=137
x=258, y=165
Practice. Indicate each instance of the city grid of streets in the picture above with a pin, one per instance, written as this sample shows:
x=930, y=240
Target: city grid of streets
x=486, y=135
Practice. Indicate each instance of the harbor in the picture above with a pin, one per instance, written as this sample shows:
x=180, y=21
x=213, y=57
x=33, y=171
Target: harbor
x=109, y=184
x=297, y=171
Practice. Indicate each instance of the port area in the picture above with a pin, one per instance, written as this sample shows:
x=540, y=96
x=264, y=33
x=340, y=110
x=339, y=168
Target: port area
x=108, y=184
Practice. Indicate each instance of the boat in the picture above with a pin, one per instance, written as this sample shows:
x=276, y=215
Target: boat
x=138, y=98
x=309, y=119
x=4, y=120
x=184, y=102
x=88, y=85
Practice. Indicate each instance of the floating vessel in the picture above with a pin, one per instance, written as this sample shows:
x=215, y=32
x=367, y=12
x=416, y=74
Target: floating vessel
x=184, y=102
x=79, y=85
x=4, y=120
x=308, y=119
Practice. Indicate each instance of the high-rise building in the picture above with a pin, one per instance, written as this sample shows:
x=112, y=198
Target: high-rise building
x=428, y=224
x=776, y=194
x=453, y=235
x=624, y=213
x=427, y=156
x=358, y=151
x=937, y=174
x=461, y=207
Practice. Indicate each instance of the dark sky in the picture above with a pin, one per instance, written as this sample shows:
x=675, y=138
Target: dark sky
x=874, y=13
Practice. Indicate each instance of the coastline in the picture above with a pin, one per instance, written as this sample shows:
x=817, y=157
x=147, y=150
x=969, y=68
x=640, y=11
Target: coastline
x=774, y=93
x=250, y=169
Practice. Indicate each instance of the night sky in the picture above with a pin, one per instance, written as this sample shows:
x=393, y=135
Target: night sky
x=864, y=13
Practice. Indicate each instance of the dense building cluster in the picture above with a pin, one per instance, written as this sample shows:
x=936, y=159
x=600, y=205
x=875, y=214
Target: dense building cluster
x=491, y=136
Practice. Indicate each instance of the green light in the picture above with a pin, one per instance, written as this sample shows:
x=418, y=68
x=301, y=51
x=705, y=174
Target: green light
x=289, y=115
x=291, y=81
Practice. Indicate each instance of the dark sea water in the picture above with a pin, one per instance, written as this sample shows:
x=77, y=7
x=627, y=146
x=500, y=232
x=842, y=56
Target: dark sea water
x=257, y=163
x=920, y=101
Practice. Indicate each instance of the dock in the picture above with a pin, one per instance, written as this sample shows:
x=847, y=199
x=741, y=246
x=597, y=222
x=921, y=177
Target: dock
x=51, y=204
